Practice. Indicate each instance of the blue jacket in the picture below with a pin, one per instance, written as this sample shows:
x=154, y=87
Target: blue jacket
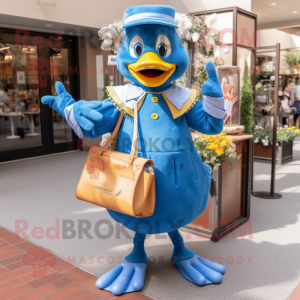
x=182, y=179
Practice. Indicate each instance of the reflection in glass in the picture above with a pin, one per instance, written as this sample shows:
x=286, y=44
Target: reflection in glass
x=60, y=72
x=289, y=87
x=265, y=81
x=19, y=97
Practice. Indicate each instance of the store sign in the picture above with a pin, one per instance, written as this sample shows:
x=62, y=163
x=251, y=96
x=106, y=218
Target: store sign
x=112, y=60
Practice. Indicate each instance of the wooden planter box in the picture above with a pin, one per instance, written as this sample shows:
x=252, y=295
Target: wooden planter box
x=284, y=153
x=230, y=208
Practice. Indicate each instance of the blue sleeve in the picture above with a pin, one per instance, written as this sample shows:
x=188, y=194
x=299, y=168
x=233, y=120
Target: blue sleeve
x=97, y=120
x=202, y=121
x=110, y=119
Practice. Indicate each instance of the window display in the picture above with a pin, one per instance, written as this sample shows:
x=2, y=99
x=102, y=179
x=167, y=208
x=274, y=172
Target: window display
x=27, y=65
x=230, y=83
x=19, y=93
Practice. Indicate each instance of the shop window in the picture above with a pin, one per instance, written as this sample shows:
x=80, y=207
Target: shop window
x=19, y=97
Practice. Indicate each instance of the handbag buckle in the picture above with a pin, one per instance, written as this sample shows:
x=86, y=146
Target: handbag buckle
x=95, y=161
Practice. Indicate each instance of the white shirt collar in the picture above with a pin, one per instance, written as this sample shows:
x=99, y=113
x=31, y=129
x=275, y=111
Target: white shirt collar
x=130, y=93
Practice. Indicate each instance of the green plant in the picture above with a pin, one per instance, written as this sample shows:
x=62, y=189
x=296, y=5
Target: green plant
x=283, y=135
x=265, y=74
x=247, y=102
x=287, y=134
x=216, y=149
x=198, y=24
x=263, y=136
x=106, y=83
x=292, y=58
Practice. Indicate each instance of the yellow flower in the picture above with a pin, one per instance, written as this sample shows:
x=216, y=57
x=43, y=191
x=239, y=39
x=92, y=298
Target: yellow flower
x=229, y=142
x=208, y=138
x=212, y=147
x=224, y=143
x=219, y=151
x=293, y=127
x=297, y=130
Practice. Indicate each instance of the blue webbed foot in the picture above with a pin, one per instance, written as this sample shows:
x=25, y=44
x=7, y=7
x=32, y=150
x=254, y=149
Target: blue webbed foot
x=200, y=271
x=126, y=277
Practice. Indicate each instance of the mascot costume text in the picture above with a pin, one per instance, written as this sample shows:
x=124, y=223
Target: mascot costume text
x=152, y=56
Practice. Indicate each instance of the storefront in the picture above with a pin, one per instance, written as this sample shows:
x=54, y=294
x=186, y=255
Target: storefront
x=30, y=64
x=288, y=119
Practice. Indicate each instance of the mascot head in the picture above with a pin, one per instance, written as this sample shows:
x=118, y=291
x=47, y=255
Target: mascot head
x=151, y=54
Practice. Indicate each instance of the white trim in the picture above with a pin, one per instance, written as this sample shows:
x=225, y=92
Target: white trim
x=70, y=118
x=157, y=16
x=129, y=94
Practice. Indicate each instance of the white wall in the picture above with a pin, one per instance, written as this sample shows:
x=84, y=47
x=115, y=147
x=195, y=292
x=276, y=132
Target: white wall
x=96, y=13
x=186, y=6
x=270, y=37
x=88, y=13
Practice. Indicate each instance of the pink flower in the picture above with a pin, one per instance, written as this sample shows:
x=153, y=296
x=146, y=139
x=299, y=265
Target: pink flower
x=199, y=64
x=198, y=20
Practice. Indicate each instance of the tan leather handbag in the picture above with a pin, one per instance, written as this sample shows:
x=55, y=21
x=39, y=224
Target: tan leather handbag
x=118, y=181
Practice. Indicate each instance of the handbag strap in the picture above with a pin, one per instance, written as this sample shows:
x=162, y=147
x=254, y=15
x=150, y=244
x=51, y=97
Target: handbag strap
x=114, y=136
x=134, y=146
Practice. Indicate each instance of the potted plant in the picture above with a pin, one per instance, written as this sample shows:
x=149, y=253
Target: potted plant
x=292, y=59
x=216, y=149
x=263, y=140
x=225, y=202
x=247, y=101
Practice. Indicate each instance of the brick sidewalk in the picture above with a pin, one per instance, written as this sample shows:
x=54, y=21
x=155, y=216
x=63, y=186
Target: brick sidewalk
x=61, y=281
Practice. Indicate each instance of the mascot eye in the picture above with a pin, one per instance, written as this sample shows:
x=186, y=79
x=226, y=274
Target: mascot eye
x=163, y=46
x=138, y=49
x=136, y=46
x=162, y=49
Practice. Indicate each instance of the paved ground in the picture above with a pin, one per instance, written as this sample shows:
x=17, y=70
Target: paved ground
x=264, y=266
x=21, y=279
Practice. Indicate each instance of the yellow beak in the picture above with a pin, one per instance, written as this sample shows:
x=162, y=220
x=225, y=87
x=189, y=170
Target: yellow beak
x=150, y=70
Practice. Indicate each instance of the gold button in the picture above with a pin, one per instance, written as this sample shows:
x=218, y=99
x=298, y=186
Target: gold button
x=154, y=99
x=154, y=116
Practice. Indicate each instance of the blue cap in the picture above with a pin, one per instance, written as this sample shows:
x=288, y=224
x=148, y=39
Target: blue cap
x=149, y=14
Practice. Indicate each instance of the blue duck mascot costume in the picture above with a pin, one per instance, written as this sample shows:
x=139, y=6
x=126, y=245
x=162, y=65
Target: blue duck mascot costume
x=152, y=56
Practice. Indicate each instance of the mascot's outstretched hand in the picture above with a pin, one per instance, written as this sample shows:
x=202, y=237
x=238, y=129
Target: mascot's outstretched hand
x=84, y=112
x=60, y=102
x=212, y=87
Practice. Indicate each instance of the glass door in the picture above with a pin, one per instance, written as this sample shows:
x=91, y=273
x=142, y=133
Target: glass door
x=64, y=68
x=28, y=71
x=60, y=72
